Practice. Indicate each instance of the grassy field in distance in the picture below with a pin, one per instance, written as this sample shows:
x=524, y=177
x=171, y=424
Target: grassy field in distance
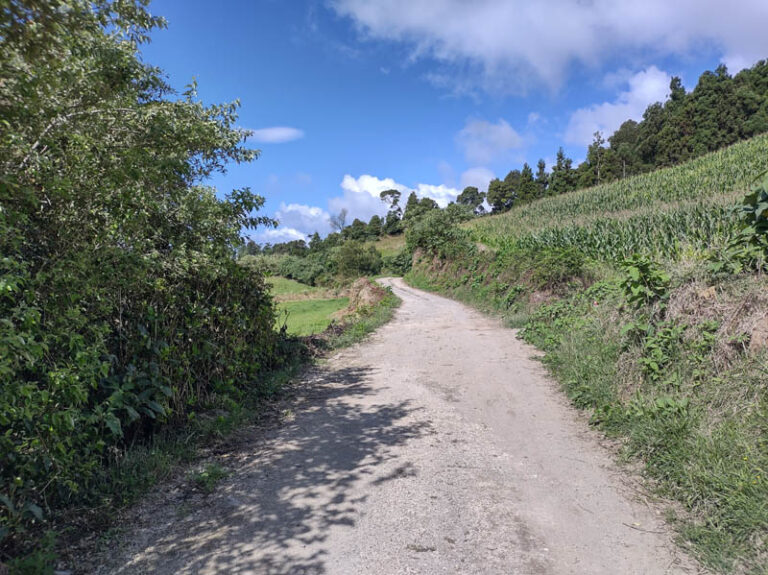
x=304, y=309
x=390, y=245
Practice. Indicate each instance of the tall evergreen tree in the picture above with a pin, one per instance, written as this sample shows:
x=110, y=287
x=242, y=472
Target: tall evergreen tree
x=542, y=179
x=526, y=187
x=562, y=178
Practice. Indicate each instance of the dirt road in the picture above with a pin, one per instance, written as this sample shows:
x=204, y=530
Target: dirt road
x=438, y=446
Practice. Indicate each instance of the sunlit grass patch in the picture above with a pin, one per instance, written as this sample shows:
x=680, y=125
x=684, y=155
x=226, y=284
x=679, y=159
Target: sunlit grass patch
x=306, y=317
x=284, y=289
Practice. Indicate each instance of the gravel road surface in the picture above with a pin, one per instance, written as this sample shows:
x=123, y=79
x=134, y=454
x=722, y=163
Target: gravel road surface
x=438, y=446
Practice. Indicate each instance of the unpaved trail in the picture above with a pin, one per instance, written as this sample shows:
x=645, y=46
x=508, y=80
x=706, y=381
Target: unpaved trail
x=437, y=446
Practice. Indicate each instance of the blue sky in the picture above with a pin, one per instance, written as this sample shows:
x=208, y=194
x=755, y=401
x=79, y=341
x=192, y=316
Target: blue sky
x=350, y=97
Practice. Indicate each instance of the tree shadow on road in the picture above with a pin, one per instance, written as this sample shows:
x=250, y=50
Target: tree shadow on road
x=289, y=488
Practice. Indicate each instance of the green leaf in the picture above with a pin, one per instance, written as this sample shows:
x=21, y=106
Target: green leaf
x=34, y=510
x=5, y=500
x=113, y=423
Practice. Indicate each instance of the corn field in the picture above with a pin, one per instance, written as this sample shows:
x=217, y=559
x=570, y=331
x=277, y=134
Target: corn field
x=657, y=213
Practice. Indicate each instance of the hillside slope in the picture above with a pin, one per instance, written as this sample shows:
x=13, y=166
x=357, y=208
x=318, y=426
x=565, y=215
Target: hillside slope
x=651, y=303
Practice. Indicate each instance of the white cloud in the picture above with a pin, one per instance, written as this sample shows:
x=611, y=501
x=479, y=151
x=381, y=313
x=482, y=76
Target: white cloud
x=482, y=141
x=278, y=236
x=442, y=194
x=508, y=44
x=479, y=177
x=360, y=197
x=307, y=219
x=646, y=87
x=276, y=135
x=370, y=185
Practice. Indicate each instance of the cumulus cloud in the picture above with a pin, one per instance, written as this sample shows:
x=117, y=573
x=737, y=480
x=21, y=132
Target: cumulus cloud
x=358, y=193
x=360, y=197
x=442, y=194
x=507, y=43
x=276, y=135
x=307, y=219
x=483, y=141
x=478, y=177
x=278, y=236
x=644, y=88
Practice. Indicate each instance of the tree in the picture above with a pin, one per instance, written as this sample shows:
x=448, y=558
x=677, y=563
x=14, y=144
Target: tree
x=250, y=248
x=527, y=190
x=415, y=208
x=357, y=230
x=353, y=259
x=503, y=193
x=595, y=155
x=624, y=142
x=315, y=242
x=391, y=198
x=393, y=224
x=471, y=197
x=411, y=205
x=112, y=248
x=562, y=178
x=542, y=179
x=338, y=221
x=375, y=227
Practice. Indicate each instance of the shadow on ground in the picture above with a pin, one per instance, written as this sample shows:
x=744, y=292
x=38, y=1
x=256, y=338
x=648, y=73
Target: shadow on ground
x=289, y=489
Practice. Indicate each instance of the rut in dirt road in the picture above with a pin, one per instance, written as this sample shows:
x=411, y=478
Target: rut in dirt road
x=438, y=446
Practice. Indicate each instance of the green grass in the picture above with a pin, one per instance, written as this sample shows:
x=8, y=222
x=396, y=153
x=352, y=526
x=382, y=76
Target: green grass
x=284, y=289
x=390, y=245
x=305, y=310
x=208, y=477
x=307, y=317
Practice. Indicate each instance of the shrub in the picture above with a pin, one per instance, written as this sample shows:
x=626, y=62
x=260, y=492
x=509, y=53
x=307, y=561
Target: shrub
x=355, y=259
x=398, y=264
x=122, y=306
x=644, y=282
x=748, y=248
x=437, y=233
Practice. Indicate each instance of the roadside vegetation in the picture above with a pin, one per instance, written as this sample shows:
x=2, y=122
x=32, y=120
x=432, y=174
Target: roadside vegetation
x=130, y=333
x=647, y=293
x=649, y=297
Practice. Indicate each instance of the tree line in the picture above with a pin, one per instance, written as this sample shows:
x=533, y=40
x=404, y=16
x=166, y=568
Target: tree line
x=721, y=110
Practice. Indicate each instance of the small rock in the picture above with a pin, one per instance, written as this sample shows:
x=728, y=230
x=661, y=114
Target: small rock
x=708, y=293
x=758, y=339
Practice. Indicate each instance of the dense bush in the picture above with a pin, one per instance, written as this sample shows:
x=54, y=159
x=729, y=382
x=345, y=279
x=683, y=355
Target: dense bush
x=354, y=259
x=122, y=306
x=437, y=233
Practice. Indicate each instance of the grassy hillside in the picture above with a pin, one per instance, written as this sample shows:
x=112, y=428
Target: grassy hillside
x=651, y=305
x=389, y=246
x=662, y=212
x=284, y=289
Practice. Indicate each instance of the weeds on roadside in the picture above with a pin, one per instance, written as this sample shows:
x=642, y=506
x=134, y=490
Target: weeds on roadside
x=208, y=477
